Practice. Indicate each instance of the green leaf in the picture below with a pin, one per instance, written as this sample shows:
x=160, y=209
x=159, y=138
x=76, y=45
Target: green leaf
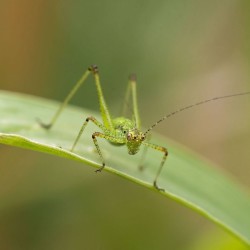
x=186, y=178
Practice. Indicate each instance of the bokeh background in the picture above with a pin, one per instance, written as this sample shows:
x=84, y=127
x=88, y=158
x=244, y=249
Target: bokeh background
x=182, y=52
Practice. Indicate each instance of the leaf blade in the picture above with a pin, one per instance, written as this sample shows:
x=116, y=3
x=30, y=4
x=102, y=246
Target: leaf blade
x=186, y=178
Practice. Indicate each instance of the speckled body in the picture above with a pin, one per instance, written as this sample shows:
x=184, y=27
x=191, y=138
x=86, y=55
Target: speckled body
x=126, y=129
x=118, y=131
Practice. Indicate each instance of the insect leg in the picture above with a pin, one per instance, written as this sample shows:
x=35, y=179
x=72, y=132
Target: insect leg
x=107, y=121
x=144, y=153
x=124, y=108
x=165, y=152
x=131, y=90
x=66, y=100
x=135, y=105
x=90, y=118
x=107, y=137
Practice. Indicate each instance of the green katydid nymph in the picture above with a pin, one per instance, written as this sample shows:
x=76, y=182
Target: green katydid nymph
x=122, y=130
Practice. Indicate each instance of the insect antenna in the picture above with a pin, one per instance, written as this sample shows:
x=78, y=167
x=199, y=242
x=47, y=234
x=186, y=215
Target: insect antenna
x=193, y=105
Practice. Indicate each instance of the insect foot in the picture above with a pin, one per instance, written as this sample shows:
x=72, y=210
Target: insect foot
x=159, y=189
x=43, y=125
x=99, y=170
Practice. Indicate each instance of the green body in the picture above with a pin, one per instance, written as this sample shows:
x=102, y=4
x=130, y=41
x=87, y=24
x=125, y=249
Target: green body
x=126, y=130
x=121, y=130
x=118, y=131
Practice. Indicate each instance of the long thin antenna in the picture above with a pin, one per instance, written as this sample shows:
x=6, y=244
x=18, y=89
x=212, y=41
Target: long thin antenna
x=193, y=105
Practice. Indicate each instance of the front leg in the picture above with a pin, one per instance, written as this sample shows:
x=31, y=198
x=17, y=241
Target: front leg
x=141, y=165
x=165, y=152
x=90, y=118
x=96, y=134
x=110, y=138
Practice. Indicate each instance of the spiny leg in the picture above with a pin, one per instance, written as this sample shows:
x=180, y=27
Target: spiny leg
x=109, y=138
x=65, y=102
x=163, y=150
x=90, y=118
x=126, y=101
x=98, y=150
x=131, y=90
x=144, y=153
x=98, y=134
x=107, y=121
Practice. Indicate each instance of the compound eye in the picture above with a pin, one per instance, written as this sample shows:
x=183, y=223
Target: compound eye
x=143, y=137
x=129, y=136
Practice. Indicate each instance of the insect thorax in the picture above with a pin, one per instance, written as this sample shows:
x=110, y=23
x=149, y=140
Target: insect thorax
x=122, y=125
x=132, y=136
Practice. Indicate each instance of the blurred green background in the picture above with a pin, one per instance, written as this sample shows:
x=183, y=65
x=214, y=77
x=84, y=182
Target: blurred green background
x=182, y=52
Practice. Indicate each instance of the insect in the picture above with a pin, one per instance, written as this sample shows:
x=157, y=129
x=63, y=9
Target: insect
x=122, y=130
